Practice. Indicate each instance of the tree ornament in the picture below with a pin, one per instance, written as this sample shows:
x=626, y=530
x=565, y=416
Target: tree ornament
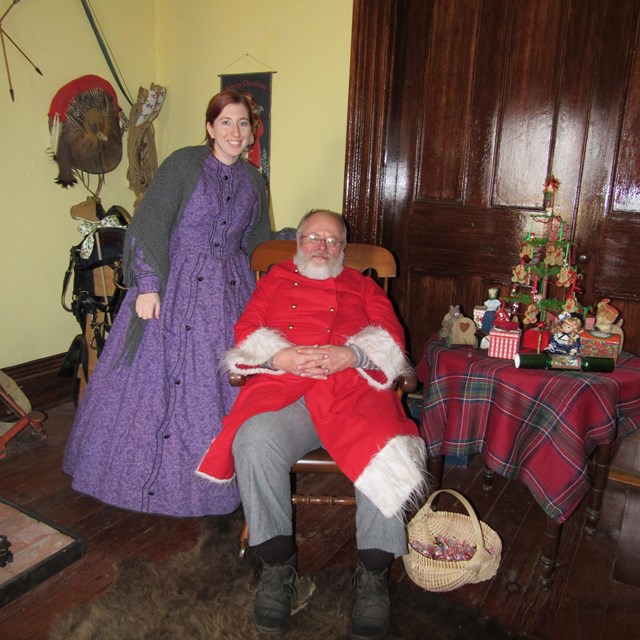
x=527, y=249
x=530, y=315
x=554, y=254
x=566, y=277
x=520, y=274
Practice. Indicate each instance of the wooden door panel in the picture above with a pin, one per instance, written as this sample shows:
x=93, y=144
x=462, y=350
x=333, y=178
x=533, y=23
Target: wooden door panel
x=484, y=100
x=584, y=25
x=430, y=292
x=433, y=295
x=619, y=250
x=447, y=92
x=607, y=229
x=527, y=108
x=473, y=235
x=627, y=190
x=463, y=241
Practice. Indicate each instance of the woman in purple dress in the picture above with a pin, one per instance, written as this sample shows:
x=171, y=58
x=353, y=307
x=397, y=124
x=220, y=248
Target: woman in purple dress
x=157, y=396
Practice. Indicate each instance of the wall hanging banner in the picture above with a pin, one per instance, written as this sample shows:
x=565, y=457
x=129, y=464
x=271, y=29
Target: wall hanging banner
x=258, y=87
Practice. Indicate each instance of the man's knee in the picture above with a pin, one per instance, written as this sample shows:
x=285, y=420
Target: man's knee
x=258, y=444
x=247, y=439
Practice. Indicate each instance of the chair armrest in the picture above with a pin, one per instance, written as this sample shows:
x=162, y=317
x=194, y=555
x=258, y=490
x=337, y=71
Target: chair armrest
x=237, y=379
x=407, y=383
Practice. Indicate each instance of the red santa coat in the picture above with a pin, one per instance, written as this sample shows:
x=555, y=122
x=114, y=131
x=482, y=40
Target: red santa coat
x=357, y=415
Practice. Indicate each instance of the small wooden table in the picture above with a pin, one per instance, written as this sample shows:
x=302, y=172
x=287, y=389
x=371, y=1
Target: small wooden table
x=538, y=426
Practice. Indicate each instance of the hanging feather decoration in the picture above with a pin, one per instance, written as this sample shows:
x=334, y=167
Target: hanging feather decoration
x=86, y=127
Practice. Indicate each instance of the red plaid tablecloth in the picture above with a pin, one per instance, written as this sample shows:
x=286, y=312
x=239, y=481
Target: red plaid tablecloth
x=538, y=426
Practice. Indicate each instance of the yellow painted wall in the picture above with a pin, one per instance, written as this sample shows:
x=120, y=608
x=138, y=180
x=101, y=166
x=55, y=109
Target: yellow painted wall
x=308, y=43
x=183, y=45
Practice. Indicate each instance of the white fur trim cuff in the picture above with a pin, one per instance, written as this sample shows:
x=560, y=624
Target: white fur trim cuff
x=224, y=482
x=254, y=351
x=396, y=477
x=384, y=352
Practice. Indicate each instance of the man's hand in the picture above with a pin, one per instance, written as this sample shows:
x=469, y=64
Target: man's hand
x=314, y=361
x=148, y=306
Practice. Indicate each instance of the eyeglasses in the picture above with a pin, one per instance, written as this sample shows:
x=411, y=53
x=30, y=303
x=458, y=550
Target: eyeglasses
x=331, y=242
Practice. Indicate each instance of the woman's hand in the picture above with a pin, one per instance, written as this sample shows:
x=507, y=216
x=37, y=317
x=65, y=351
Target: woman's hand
x=314, y=361
x=148, y=306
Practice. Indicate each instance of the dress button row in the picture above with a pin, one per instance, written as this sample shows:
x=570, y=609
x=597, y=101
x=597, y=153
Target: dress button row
x=232, y=282
x=200, y=278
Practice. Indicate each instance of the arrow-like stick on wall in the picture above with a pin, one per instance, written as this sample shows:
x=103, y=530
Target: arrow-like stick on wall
x=4, y=34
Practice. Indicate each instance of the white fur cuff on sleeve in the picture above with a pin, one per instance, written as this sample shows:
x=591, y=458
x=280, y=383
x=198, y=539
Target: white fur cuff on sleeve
x=254, y=351
x=396, y=477
x=384, y=352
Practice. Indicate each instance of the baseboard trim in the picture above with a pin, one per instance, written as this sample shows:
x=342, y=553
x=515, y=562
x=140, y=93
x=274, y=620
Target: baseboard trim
x=40, y=382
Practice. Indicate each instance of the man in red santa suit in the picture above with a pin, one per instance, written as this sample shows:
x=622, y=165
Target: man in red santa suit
x=322, y=347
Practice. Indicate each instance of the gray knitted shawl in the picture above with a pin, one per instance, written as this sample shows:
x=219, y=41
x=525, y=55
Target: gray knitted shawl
x=159, y=212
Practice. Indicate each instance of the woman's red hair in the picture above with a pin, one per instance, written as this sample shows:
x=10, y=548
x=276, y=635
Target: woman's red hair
x=220, y=101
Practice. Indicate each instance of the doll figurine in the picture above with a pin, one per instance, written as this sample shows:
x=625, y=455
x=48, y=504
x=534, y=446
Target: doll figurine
x=567, y=338
x=491, y=305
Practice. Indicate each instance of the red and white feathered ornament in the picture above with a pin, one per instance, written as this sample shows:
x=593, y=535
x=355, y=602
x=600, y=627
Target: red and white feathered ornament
x=85, y=127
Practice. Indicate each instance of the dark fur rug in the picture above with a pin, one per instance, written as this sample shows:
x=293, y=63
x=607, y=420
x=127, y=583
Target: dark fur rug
x=207, y=593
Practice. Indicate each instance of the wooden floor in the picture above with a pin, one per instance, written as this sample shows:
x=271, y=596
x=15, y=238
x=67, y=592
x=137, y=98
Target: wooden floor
x=595, y=594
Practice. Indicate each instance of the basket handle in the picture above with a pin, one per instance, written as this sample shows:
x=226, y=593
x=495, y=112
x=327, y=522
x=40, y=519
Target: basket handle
x=472, y=514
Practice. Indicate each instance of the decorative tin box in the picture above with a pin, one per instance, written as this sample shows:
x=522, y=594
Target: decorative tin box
x=596, y=344
x=503, y=343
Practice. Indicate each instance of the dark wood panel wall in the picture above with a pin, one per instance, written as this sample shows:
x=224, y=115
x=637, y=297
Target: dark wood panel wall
x=371, y=75
x=451, y=136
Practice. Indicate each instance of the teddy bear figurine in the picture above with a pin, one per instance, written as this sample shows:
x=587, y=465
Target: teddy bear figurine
x=447, y=322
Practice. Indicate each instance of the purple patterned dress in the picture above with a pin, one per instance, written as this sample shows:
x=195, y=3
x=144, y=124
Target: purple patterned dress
x=142, y=427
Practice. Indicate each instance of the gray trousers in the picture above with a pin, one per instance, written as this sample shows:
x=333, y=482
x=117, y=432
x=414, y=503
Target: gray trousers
x=265, y=448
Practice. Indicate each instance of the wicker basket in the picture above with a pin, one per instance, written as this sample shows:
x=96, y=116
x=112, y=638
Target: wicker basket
x=443, y=575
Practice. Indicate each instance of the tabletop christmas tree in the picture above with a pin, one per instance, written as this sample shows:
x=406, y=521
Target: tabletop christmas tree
x=546, y=267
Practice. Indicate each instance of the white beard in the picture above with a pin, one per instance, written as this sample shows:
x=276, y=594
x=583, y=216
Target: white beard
x=309, y=269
